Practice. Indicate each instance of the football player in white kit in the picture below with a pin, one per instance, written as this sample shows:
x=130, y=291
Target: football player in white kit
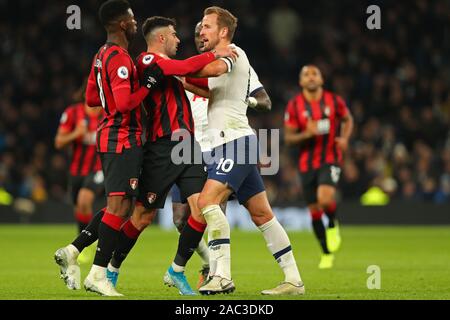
x=233, y=144
x=198, y=98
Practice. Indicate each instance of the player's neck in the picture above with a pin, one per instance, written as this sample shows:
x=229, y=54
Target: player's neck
x=223, y=44
x=158, y=50
x=118, y=38
x=313, y=95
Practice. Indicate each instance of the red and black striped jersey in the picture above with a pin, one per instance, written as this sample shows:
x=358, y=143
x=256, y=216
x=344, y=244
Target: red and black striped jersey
x=85, y=159
x=113, y=70
x=167, y=106
x=328, y=111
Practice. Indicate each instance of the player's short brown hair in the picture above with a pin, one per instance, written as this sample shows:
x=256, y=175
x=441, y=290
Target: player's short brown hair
x=224, y=18
x=155, y=22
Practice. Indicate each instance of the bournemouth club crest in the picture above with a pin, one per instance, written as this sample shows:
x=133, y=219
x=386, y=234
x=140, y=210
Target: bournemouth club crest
x=134, y=183
x=151, y=197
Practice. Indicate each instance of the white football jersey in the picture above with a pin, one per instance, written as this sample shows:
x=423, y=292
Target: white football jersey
x=227, y=107
x=199, y=107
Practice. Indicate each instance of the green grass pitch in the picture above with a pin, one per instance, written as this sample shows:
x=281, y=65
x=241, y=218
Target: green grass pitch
x=414, y=264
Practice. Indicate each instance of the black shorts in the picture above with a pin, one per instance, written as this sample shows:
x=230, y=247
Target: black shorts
x=93, y=181
x=328, y=174
x=122, y=172
x=159, y=174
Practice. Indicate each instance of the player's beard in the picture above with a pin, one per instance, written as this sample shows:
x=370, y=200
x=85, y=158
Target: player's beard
x=130, y=35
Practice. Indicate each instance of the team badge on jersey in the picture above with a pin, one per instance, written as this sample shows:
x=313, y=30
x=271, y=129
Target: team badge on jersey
x=147, y=59
x=122, y=72
x=134, y=183
x=327, y=111
x=151, y=197
x=64, y=118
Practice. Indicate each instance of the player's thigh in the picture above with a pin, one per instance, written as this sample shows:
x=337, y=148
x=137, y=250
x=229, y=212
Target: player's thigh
x=158, y=174
x=191, y=180
x=309, y=182
x=230, y=167
x=251, y=185
x=121, y=172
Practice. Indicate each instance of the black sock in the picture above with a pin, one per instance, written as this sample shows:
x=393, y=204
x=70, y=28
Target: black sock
x=108, y=235
x=190, y=236
x=331, y=214
x=81, y=226
x=89, y=234
x=127, y=239
x=331, y=219
x=319, y=231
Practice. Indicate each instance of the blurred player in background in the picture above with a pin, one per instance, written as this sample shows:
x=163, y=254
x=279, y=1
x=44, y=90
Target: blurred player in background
x=114, y=84
x=78, y=128
x=232, y=140
x=312, y=122
x=198, y=94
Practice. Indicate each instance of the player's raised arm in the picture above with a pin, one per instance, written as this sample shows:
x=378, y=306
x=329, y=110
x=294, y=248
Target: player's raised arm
x=198, y=86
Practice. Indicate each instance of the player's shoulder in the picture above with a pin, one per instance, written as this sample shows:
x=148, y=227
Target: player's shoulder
x=334, y=96
x=74, y=107
x=147, y=58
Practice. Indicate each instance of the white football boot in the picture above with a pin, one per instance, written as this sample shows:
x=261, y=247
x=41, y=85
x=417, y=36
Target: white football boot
x=97, y=282
x=66, y=258
x=286, y=288
x=217, y=284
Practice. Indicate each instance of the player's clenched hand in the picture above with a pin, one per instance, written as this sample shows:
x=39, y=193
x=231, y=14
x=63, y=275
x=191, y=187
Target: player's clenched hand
x=81, y=129
x=229, y=51
x=342, y=143
x=311, y=128
x=152, y=75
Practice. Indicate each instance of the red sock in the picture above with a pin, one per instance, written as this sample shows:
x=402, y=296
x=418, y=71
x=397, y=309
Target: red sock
x=197, y=226
x=112, y=220
x=83, y=218
x=130, y=230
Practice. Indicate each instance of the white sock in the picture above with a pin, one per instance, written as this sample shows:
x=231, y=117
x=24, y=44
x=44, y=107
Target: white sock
x=112, y=269
x=219, y=239
x=177, y=268
x=203, y=252
x=73, y=250
x=279, y=245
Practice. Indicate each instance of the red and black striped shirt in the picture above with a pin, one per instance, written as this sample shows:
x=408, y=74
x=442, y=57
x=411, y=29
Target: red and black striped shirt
x=321, y=149
x=113, y=70
x=167, y=105
x=85, y=159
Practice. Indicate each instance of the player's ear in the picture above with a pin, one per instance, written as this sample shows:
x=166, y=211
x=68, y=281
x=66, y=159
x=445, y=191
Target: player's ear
x=223, y=33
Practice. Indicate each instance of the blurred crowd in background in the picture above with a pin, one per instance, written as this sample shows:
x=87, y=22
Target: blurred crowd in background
x=395, y=81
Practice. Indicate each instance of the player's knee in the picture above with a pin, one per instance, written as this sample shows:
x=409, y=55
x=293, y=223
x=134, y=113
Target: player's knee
x=262, y=217
x=179, y=222
x=325, y=201
x=142, y=217
x=203, y=201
